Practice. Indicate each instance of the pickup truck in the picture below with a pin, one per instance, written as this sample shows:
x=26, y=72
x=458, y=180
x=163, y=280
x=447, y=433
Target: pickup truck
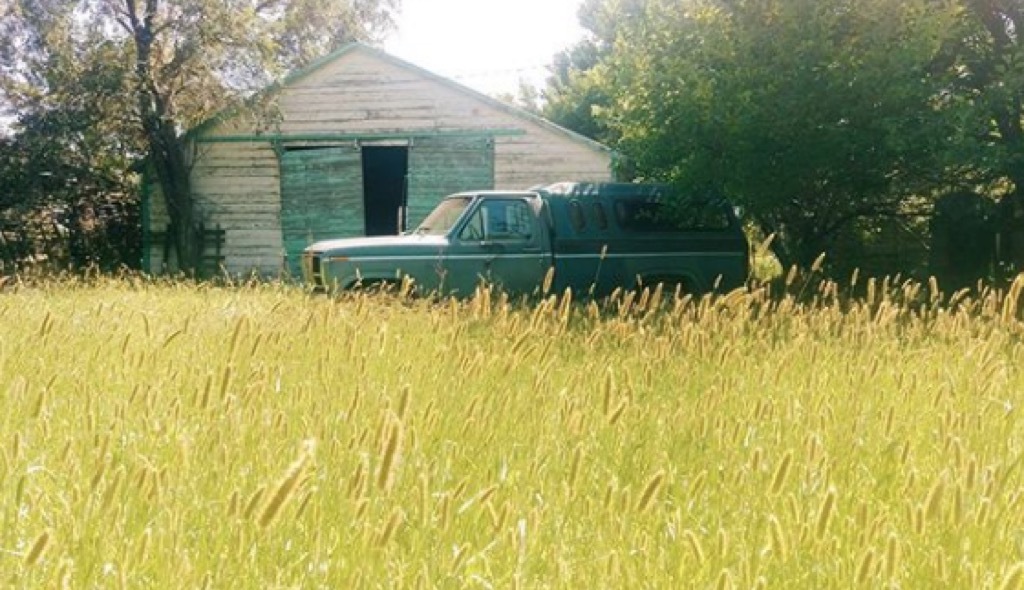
x=596, y=236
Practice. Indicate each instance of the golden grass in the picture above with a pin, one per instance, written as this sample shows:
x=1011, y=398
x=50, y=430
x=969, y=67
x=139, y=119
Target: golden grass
x=150, y=430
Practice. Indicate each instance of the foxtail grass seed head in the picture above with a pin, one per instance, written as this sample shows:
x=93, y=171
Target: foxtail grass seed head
x=696, y=548
x=779, y=478
x=864, y=569
x=1014, y=578
x=650, y=491
x=777, y=538
x=390, y=459
x=825, y=512
x=283, y=492
x=35, y=552
x=233, y=503
x=254, y=501
x=791, y=275
x=818, y=263
x=725, y=581
x=142, y=553
x=697, y=485
x=549, y=278
x=617, y=412
x=933, y=502
x=1009, y=311
x=574, y=468
x=388, y=531
x=613, y=568
x=892, y=556
x=607, y=391
x=403, y=402
x=64, y=574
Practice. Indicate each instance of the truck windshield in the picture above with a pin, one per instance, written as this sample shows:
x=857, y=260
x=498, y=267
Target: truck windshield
x=443, y=217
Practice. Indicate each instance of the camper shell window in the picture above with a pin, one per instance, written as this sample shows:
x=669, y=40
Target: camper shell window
x=576, y=217
x=655, y=216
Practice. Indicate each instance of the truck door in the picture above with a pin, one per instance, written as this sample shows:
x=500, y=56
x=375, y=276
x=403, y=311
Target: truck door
x=501, y=242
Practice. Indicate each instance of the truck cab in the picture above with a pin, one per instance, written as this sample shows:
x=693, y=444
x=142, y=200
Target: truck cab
x=497, y=237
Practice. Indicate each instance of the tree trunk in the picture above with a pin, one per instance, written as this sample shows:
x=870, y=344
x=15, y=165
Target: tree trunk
x=173, y=175
x=166, y=152
x=1011, y=232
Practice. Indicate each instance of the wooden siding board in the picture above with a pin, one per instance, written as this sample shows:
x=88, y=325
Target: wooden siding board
x=321, y=198
x=441, y=166
x=541, y=156
x=237, y=186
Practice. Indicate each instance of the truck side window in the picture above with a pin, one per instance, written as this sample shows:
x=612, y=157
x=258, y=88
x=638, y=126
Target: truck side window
x=600, y=217
x=520, y=220
x=474, y=228
x=576, y=215
x=504, y=219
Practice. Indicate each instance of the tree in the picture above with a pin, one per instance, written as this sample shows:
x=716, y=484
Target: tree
x=576, y=91
x=578, y=88
x=526, y=97
x=811, y=114
x=983, y=59
x=175, y=62
x=63, y=172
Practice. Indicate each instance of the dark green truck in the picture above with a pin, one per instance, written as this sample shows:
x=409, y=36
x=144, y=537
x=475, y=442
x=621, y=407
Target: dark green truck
x=597, y=237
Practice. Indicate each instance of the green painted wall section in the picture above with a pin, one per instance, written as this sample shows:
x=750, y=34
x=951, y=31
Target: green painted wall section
x=440, y=166
x=321, y=198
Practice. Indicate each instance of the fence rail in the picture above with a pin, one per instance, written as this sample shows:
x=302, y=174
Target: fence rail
x=211, y=247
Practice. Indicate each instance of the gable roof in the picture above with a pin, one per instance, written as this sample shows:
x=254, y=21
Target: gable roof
x=323, y=62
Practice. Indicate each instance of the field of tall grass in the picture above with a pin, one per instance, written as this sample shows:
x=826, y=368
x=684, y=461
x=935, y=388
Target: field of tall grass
x=160, y=435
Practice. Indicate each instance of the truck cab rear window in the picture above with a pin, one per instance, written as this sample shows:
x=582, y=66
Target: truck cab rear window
x=653, y=216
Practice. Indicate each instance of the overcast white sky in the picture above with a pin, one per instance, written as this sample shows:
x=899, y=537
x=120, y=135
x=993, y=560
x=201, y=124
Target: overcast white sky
x=488, y=45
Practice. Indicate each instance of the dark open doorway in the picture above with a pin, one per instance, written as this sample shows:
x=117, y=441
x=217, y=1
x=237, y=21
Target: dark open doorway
x=384, y=170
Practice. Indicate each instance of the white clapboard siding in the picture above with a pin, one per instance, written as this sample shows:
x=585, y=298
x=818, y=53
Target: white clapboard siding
x=237, y=186
x=540, y=158
x=358, y=93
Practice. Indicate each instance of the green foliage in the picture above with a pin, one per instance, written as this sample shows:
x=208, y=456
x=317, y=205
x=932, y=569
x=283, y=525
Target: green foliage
x=579, y=87
x=825, y=119
x=983, y=60
x=117, y=81
x=526, y=97
x=575, y=92
x=810, y=114
x=67, y=193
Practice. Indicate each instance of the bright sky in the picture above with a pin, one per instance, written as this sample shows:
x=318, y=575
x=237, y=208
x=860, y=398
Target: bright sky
x=488, y=45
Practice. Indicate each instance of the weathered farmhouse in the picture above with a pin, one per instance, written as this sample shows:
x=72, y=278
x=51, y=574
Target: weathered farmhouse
x=361, y=143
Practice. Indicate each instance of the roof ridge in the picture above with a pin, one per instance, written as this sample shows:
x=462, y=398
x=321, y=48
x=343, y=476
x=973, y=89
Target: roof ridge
x=320, y=63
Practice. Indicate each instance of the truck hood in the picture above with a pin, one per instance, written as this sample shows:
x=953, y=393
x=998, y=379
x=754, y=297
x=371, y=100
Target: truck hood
x=374, y=244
